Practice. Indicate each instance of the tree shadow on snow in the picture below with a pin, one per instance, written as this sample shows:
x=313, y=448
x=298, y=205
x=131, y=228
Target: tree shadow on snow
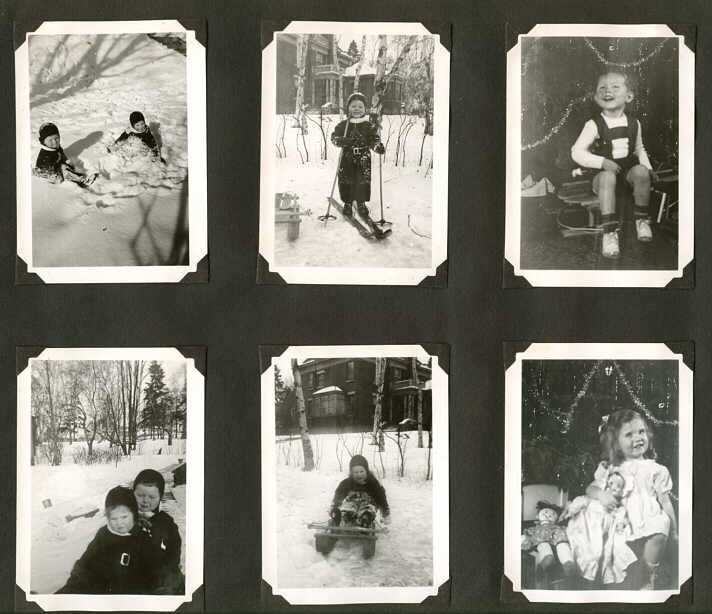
x=98, y=58
x=179, y=247
x=75, y=149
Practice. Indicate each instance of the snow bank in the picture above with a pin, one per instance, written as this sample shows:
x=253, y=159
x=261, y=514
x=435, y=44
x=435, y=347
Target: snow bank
x=407, y=191
x=403, y=554
x=69, y=488
x=88, y=85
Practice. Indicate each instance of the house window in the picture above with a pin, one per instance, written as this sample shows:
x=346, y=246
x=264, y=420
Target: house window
x=397, y=373
x=320, y=378
x=350, y=371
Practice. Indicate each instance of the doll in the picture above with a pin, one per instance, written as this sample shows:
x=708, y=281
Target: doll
x=549, y=539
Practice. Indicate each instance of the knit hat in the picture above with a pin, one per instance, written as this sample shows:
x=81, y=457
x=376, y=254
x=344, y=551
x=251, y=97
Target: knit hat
x=150, y=477
x=358, y=461
x=120, y=495
x=356, y=96
x=136, y=117
x=46, y=130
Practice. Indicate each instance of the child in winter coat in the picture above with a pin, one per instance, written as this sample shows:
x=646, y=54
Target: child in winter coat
x=357, y=136
x=139, y=132
x=119, y=560
x=52, y=163
x=359, y=496
x=149, y=487
x=612, y=143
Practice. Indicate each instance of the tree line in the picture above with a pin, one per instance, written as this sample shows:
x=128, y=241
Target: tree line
x=118, y=401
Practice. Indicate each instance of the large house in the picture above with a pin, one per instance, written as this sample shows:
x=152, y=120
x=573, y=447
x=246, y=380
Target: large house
x=341, y=392
x=321, y=76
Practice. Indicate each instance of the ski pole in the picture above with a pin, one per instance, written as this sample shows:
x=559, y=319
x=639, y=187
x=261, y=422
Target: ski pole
x=327, y=216
x=382, y=221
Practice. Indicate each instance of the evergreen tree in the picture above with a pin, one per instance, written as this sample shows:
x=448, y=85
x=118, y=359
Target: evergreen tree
x=155, y=400
x=353, y=51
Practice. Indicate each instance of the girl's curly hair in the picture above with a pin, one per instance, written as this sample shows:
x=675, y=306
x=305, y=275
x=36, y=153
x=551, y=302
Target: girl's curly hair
x=610, y=450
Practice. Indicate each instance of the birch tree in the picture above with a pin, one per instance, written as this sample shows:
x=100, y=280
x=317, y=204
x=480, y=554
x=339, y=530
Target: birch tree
x=414, y=364
x=378, y=409
x=302, y=413
x=383, y=80
x=359, y=66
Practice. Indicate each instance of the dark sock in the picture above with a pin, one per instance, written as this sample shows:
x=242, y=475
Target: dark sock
x=609, y=222
x=640, y=212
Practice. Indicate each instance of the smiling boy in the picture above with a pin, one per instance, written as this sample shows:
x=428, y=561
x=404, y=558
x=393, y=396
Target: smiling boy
x=612, y=143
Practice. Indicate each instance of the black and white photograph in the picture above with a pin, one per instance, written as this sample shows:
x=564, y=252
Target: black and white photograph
x=599, y=490
x=109, y=506
x=354, y=471
x=354, y=153
x=600, y=155
x=111, y=157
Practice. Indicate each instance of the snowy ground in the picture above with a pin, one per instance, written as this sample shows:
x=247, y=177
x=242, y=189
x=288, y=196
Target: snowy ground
x=71, y=488
x=404, y=555
x=407, y=191
x=136, y=211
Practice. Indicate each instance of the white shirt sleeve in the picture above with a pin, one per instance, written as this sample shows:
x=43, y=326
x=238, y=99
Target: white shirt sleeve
x=640, y=149
x=580, y=150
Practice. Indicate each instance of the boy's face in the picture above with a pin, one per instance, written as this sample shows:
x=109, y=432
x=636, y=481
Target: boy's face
x=140, y=126
x=120, y=519
x=147, y=496
x=612, y=93
x=357, y=109
x=359, y=474
x=52, y=141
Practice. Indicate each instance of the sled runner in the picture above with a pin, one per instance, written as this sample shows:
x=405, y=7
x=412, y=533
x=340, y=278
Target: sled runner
x=326, y=535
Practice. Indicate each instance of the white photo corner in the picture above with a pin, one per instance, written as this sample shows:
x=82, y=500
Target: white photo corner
x=600, y=155
x=355, y=505
x=111, y=152
x=598, y=473
x=110, y=479
x=354, y=153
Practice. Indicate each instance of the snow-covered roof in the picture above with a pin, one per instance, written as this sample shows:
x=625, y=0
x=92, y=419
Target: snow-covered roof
x=327, y=389
x=366, y=69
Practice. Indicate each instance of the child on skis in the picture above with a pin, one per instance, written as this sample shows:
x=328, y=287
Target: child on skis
x=357, y=136
x=612, y=143
x=52, y=163
x=120, y=559
x=149, y=487
x=359, y=496
x=139, y=133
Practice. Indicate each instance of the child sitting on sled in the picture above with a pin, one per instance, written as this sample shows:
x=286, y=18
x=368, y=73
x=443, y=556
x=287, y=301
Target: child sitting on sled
x=52, y=163
x=149, y=487
x=120, y=559
x=358, y=497
x=612, y=143
x=357, y=136
x=139, y=133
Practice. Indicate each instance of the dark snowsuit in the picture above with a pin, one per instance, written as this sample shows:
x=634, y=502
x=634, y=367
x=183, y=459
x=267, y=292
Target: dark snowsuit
x=146, y=137
x=372, y=489
x=355, y=168
x=115, y=564
x=166, y=545
x=49, y=164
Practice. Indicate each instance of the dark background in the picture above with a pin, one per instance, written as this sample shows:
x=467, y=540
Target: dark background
x=231, y=315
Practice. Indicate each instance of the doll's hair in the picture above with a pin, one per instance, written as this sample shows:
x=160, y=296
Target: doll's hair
x=545, y=505
x=611, y=427
x=614, y=474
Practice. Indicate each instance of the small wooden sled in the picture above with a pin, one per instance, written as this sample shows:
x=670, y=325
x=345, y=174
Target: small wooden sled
x=326, y=536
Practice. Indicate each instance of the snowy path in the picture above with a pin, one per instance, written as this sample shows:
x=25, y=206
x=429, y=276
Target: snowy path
x=403, y=555
x=135, y=213
x=56, y=543
x=406, y=191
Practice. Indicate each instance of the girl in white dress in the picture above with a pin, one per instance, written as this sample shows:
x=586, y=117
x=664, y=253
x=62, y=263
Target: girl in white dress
x=627, y=445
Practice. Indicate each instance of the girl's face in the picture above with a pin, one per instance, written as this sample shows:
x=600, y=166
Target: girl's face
x=120, y=519
x=359, y=474
x=357, y=109
x=140, y=126
x=633, y=439
x=147, y=496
